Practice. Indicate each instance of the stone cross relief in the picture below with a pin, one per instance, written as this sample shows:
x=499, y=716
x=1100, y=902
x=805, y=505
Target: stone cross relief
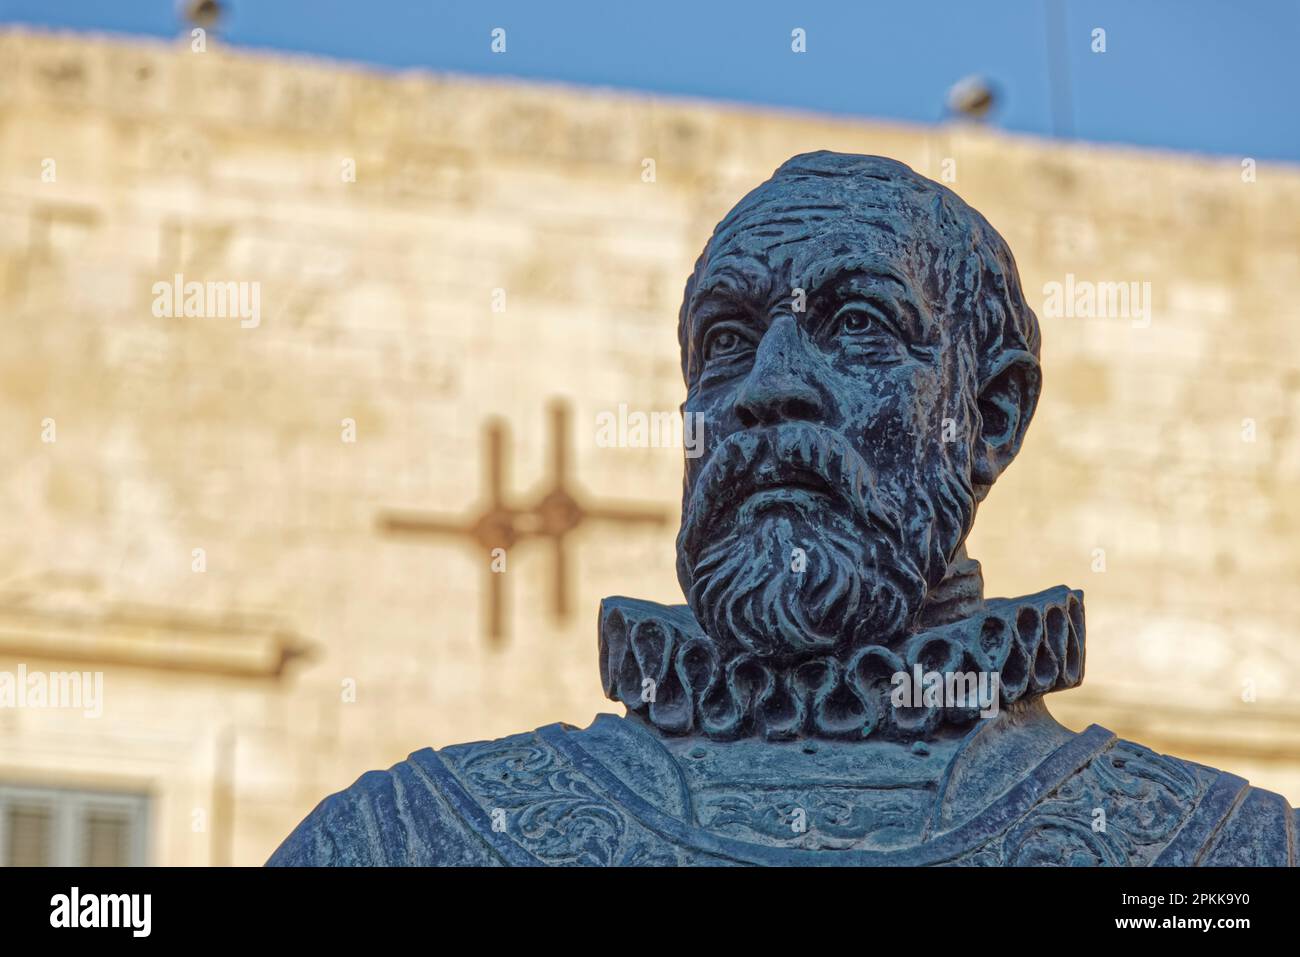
x=551, y=513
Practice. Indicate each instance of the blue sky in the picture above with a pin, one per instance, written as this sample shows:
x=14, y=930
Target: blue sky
x=1212, y=76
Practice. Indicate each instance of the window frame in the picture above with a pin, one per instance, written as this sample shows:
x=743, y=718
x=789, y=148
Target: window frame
x=70, y=808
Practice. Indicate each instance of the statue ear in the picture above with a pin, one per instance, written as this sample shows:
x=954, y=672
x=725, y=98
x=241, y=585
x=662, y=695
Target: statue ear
x=1007, y=399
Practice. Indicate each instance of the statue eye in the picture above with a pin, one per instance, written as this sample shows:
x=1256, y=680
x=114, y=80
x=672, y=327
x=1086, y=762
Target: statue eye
x=856, y=321
x=724, y=342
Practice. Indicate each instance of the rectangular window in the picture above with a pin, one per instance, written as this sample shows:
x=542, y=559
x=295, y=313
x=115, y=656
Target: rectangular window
x=61, y=827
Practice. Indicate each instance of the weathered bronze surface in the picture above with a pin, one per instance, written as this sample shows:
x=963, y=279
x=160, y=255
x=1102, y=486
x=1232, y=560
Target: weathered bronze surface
x=837, y=690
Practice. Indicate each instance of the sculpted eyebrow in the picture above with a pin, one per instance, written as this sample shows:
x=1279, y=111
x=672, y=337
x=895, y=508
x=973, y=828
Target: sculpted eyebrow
x=726, y=294
x=724, y=308
x=728, y=285
x=720, y=292
x=860, y=279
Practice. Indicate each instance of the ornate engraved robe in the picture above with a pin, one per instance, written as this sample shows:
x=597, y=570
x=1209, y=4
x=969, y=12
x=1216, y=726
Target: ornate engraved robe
x=730, y=763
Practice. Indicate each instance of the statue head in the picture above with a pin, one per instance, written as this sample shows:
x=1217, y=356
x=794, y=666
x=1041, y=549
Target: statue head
x=859, y=353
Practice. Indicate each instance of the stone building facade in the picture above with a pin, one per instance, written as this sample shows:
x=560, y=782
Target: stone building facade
x=267, y=520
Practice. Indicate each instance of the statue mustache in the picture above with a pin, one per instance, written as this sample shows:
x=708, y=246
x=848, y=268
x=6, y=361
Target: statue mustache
x=793, y=456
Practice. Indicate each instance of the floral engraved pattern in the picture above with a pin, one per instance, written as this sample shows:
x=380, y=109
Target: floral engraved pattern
x=1120, y=810
x=812, y=817
x=550, y=809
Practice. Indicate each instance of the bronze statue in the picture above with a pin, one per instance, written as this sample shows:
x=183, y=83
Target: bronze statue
x=837, y=689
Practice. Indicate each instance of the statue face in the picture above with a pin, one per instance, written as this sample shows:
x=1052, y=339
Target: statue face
x=838, y=409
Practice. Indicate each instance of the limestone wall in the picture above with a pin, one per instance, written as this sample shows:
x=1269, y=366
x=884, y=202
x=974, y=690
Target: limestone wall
x=433, y=253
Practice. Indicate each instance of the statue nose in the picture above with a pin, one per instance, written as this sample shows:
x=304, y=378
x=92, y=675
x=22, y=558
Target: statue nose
x=779, y=386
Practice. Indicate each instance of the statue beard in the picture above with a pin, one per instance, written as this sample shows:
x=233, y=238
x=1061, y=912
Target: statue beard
x=791, y=547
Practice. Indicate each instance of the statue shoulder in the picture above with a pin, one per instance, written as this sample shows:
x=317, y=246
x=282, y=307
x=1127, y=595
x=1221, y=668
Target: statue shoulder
x=1235, y=824
x=1130, y=805
x=411, y=814
x=549, y=796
